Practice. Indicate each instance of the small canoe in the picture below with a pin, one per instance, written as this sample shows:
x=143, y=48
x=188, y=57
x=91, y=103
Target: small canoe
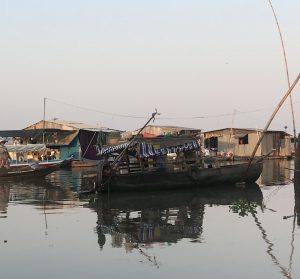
x=30, y=171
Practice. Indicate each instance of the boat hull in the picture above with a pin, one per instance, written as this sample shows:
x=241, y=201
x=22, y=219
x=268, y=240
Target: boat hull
x=30, y=171
x=227, y=174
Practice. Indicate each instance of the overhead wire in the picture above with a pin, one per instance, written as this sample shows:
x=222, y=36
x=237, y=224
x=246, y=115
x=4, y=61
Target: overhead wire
x=159, y=117
x=94, y=110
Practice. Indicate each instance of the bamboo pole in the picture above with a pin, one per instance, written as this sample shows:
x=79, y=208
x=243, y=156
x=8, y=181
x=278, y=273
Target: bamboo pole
x=287, y=94
x=287, y=73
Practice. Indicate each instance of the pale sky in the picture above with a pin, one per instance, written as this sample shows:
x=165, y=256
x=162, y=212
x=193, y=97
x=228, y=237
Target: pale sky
x=188, y=59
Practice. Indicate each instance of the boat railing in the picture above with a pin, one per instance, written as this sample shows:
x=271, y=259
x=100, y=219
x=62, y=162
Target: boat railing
x=155, y=164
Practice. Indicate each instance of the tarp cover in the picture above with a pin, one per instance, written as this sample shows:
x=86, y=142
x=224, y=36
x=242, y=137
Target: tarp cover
x=146, y=150
x=88, y=142
x=25, y=148
x=112, y=148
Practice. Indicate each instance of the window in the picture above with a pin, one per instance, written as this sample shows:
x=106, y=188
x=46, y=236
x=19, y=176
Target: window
x=211, y=143
x=243, y=140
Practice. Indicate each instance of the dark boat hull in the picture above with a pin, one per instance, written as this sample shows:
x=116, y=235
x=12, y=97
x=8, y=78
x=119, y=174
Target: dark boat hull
x=228, y=174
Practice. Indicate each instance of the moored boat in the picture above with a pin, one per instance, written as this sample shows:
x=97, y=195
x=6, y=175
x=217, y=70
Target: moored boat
x=33, y=170
x=170, y=162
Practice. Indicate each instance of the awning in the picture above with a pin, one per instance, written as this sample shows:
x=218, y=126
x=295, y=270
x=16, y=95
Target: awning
x=25, y=148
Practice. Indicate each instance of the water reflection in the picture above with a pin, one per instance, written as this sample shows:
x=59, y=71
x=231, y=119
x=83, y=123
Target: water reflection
x=276, y=172
x=4, y=199
x=297, y=192
x=163, y=217
x=77, y=179
x=136, y=221
x=42, y=194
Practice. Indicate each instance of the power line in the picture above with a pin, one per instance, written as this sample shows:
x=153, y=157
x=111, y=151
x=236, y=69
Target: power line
x=159, y=118
x=98, y=111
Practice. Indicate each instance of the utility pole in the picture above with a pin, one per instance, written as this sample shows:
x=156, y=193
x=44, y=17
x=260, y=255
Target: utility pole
x=44, y=116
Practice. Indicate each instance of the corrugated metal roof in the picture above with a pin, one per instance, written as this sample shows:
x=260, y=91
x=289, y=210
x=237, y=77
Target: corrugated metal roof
x=74, y=124
x=174, y=127
x=170, y=128
x=32, y=133
x=68, y=125
x=247, y=129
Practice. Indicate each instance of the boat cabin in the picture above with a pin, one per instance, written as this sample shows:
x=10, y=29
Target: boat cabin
x=153, y=154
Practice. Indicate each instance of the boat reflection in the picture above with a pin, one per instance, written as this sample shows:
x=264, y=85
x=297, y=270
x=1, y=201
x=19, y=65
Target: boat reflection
x=165, y=217
x=40, y=193
x=78, y=179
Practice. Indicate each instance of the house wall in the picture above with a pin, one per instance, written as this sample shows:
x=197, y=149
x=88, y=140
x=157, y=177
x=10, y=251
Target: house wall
x=230, y=143
x=272, y=140
x=286, y=147
x=247, y=149
x=72, y=149
x=281, y=144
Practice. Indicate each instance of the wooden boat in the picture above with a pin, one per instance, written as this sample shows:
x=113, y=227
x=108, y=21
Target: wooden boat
x=33, y=170
x=171, y=162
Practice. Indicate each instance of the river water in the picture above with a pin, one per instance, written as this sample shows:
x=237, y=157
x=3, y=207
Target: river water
x=48, y=230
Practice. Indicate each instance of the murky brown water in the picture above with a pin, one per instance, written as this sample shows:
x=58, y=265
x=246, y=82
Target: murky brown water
x=47, y=230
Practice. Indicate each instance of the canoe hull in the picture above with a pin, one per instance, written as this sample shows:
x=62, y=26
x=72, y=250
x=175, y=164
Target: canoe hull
x=30, y=171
